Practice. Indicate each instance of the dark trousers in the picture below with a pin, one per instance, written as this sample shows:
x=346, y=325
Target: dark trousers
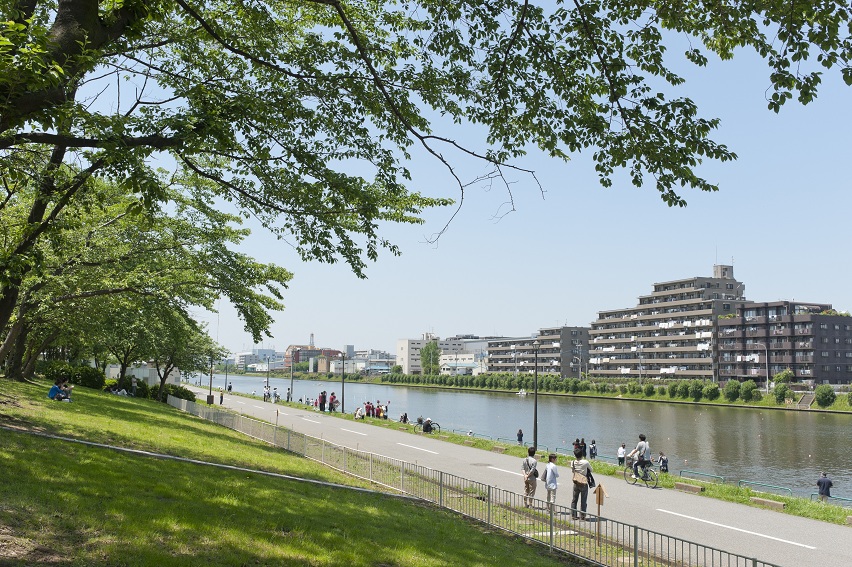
x=581, y=492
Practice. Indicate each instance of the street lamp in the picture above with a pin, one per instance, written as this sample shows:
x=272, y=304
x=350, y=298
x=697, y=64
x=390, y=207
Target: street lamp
x=515, y=360
x=766, y=350
x=210, y=393
x=535, y=346
x=342, y=382
x=292, y=363
x=267, y=372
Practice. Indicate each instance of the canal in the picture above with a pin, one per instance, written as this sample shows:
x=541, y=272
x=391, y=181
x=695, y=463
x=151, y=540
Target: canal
x=784, y=448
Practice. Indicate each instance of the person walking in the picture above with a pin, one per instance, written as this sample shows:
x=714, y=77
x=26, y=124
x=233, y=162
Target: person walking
x=824, y=483
x=551, y=476
x=520, y=436
x=583, y=447
x=529, y=465
x=133, y=386
x=622, y=451
x=289, y=395
x=593, y=451
x=580, y=469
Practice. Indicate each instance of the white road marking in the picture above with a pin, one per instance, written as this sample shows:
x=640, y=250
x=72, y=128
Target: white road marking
x=418, y=448
x=736, y=529
x=239, y=402
x=355, y=432
x=311, y=420
x=561, y=532
x=259, y=407
x=505, y=471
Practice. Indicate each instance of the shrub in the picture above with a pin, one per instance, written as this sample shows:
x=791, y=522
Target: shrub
x=661, y=390
x=634, y=387
x=574, y=385
x=747, y=390
x=825, y=395
x=710, y=391
x=649, y=390
x=174, y=390
x=56, y=369
x=683, y=389
x=696, y=389
x=622, y=388
x=732, y=390
x=674, y=391
x=88, y=377
x=756, y=396
x=782, y=392
x=849, y=398
x=585, y=386
x=109, y=384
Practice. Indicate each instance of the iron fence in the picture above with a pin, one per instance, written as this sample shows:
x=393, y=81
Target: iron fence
x=596, y=539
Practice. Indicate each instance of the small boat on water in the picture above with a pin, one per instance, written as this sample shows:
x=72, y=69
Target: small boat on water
x=521, y=393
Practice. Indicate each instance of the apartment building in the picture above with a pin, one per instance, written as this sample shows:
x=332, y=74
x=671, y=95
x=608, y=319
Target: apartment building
x=669, y=333
x=561, y=350
x=811, y=339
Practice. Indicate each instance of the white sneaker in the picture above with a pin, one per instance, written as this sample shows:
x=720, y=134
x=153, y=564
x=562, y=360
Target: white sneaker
x=634, y=476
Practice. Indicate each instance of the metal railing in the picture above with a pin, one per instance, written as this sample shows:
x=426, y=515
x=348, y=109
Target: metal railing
x=696, y=473
x=845, y=502
x=601, y=541
x=770, y=487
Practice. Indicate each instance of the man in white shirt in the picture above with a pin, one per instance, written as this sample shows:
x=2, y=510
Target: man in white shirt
x=621, y=452
x=529, y=465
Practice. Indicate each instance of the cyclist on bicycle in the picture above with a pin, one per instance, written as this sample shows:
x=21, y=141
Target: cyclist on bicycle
x=642, y=451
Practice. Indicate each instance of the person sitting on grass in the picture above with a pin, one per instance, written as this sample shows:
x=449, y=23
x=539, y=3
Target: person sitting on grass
x=60, y=391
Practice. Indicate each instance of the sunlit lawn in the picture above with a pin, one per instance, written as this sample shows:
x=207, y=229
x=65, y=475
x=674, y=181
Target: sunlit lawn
x=63, y=503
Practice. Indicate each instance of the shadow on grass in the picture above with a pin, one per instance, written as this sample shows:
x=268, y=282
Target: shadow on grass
x=143, y=424
x=97, y=507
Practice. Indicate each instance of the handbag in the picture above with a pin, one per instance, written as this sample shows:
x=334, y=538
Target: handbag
x=579, y=478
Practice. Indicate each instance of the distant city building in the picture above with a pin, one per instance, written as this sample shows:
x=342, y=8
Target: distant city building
x=408, y=351
x=670, y=333
x=561, y=350
x=810, y=339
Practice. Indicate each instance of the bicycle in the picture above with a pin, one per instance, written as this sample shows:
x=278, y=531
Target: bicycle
x=649, y=475
x=436, y=427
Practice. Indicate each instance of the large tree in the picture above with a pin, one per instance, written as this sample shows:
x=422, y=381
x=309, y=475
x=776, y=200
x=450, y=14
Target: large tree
x=302, y=114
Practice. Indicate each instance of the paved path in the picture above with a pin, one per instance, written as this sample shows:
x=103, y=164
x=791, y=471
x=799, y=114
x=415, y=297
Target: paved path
x=770, y=536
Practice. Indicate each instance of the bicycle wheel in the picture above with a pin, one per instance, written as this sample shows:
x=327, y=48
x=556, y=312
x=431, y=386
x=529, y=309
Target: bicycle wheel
x=436, y=427
x=628, y=475
x=417, y=428
x=651, y=478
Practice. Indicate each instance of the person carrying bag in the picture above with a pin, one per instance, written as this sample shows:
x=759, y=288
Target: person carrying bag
x=580, y=472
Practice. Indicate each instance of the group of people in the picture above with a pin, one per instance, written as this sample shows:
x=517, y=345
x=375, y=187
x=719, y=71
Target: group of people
x=590, y=451
x=581, y=478
x=369, y=409
x=61, y=390
x=272, y=395
x=642, y=456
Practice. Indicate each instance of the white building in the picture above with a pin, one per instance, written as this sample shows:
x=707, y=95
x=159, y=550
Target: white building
x=408, y=351
x=146, y=372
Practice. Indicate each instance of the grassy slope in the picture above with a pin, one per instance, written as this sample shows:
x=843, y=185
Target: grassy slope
x=63, y=503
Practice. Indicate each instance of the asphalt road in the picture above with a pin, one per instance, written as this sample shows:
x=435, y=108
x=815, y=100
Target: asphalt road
x=769, y=536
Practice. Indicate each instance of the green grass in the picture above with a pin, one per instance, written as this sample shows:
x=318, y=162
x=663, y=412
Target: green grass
x=63, y=503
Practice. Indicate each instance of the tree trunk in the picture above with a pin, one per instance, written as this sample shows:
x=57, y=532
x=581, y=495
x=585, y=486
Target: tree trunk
x=15, y=360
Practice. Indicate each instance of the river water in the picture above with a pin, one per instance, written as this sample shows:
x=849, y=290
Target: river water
x=782, y=448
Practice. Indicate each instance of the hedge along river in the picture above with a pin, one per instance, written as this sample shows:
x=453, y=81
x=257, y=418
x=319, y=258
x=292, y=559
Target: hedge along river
x=777, y=447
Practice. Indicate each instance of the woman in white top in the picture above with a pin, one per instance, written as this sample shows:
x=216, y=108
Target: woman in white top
x=581, y=489
x=550, y=478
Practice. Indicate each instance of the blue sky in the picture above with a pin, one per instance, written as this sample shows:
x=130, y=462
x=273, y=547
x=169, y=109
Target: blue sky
x=781, y=217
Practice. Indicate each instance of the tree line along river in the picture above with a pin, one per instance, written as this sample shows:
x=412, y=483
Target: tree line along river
x=777, y=447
